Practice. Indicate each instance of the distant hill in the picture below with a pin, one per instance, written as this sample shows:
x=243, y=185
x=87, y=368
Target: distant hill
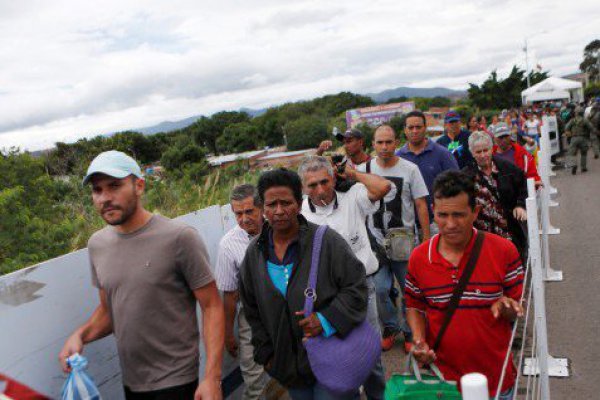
x=384, y=96
x=381, y=97
x=253, y=113
x=168, y=126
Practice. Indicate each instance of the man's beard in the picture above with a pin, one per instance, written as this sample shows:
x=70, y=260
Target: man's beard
x=126, y=213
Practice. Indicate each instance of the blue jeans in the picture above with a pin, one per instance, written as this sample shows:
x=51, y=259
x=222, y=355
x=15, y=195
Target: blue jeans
x=318, y=392
x=375, y=384
x=384, y=280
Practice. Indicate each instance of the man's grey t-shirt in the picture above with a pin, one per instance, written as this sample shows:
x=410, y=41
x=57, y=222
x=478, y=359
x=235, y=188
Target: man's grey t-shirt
x=149, y=276
x=399, y=210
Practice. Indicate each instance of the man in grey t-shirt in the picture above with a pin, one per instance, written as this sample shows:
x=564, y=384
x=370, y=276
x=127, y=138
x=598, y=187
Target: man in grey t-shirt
x=150, y=272
x=396, y=212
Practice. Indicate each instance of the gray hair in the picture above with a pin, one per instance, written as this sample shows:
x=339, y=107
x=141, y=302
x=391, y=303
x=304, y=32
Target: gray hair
x=243, y=191
x=314, y=163
x=479, y=137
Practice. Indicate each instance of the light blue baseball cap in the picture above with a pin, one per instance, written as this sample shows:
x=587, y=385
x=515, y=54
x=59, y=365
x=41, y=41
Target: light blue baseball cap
x=113, y=163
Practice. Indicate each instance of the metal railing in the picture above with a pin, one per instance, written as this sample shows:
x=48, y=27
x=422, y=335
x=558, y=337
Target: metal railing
x=535, y=364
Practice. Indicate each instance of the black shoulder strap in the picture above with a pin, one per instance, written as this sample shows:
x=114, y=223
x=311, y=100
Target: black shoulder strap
x=460, y=287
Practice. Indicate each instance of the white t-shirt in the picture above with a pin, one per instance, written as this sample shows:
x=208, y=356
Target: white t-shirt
x=399, y=207
x=347, y=214
x=532, y=127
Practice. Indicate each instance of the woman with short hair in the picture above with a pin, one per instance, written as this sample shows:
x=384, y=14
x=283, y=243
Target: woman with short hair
x=501, y=191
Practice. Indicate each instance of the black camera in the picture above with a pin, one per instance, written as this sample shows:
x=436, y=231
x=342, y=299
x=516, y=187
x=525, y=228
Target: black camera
x=339, y=160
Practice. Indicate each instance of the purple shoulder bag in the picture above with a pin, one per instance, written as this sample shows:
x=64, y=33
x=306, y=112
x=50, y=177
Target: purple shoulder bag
x=340, y=364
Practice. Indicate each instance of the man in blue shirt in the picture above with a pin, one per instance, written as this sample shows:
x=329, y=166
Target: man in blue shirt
x=431, y=158
x=456, y=139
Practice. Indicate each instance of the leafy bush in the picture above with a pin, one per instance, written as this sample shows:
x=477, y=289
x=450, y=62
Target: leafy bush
x=305, y=132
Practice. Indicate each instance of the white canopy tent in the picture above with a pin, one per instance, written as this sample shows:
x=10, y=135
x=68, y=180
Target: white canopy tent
x=553, y=89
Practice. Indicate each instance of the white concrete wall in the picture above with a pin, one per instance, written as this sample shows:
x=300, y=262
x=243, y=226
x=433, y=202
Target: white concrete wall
x=41, y=305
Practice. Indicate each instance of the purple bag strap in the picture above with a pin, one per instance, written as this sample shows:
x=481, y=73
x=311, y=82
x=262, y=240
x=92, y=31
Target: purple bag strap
x=310, y=293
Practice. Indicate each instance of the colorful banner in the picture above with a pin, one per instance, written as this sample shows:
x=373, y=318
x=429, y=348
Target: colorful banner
x=377, y=115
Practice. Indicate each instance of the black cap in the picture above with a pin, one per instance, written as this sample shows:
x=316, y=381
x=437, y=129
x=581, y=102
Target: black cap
x=350, y=133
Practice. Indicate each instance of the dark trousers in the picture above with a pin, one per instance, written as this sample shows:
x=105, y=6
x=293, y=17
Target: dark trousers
x=181, y=392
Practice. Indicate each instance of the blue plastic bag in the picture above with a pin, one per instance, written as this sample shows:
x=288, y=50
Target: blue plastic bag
x=79, y=385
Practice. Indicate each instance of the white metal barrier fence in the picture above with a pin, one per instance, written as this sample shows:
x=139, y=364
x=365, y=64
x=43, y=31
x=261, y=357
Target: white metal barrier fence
x=535, y=370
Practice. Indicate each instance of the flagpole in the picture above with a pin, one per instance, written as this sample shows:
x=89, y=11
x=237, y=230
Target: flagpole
x=527, y=64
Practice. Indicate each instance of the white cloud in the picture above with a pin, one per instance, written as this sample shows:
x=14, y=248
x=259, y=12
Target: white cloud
x=71, y=70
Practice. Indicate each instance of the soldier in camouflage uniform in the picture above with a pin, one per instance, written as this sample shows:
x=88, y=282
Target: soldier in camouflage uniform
x=594, y=119
x=579, y=130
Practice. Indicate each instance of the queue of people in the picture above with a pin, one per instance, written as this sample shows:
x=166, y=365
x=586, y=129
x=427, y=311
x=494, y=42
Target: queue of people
x=412, y=219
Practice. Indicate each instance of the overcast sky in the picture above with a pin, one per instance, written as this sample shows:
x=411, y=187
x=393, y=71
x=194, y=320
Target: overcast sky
x=71, y=69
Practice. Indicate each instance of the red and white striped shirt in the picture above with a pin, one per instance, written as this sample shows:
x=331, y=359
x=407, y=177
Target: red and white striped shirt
x=475, y=341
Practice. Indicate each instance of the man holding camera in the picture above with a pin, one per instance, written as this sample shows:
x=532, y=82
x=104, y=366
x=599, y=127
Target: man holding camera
x=354, y=145
x=345, y=212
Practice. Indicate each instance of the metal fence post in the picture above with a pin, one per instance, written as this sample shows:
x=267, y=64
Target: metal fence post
x=540, y=363
x=544, y=171
x=545, y=143
x=549, y=273
x=545, y=196
x=543, y=364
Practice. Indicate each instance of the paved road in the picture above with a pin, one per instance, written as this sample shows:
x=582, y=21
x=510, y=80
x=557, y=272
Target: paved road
x=573, y=306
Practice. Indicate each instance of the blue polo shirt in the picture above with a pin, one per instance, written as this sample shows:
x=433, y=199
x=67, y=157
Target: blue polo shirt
x=280, y=272
x=432, y=161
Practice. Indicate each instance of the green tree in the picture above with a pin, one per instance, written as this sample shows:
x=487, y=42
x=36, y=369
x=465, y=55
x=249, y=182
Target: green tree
x=238, y=137
x=305, y=132
x=336, y=104
x=269, y=126
x=182, y=155
x=368, y=132
x=206, y=130
x=591, y=60
x=440, y=101
x=422, y=103
x=400, y=99
x=592, y=90
x=34, y=223
x=502, y=93
x=397, y=123
x=136, y=145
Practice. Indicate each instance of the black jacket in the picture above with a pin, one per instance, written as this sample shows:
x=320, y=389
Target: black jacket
x=462, y=153
x=512, y=188
x=341, y=298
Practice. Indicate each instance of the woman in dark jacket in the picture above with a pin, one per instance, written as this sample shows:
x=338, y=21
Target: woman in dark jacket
x=274, y=276
x=501, y=190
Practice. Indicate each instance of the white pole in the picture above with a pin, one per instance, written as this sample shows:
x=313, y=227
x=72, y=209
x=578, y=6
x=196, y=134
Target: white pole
x=544, y=169
x=547, y=227
x=474, y=387
x=531, y=188
x=527, y=64
x=549, y=273
x=546, y=145
x=539, y=301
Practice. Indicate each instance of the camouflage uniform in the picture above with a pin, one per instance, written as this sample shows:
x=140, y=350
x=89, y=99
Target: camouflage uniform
x=580, y=131
x=595, y=121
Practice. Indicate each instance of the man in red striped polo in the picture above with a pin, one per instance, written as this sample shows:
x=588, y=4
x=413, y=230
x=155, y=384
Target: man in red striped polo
x=477, y=338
